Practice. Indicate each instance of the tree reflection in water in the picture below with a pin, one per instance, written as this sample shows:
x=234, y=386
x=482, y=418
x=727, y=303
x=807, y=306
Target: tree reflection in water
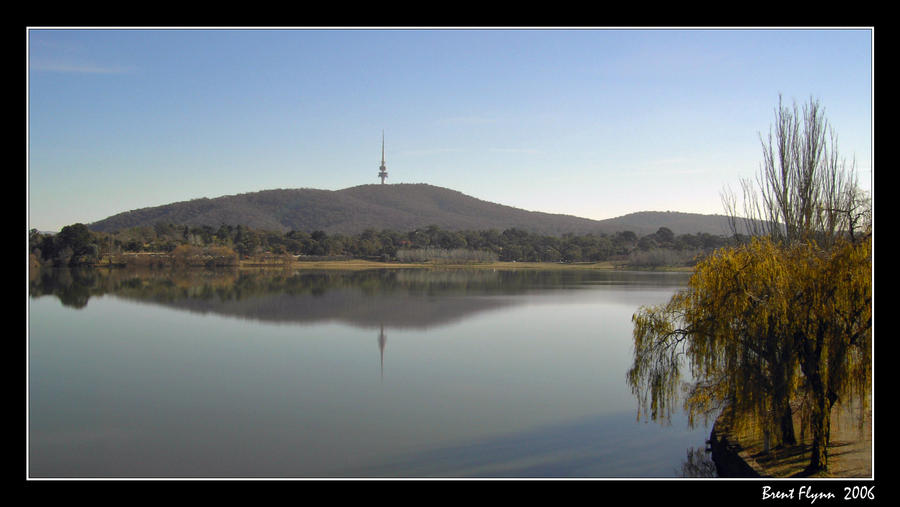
x=698, y=464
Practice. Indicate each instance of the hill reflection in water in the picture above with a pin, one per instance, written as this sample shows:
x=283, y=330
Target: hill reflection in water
x=392, y=298
x=333, y=374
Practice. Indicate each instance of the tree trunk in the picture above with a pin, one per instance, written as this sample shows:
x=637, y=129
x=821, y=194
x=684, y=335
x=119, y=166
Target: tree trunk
x=814, y=368
x=787, y=427
x=783, y=417
x=820, y=421
x=821, y=429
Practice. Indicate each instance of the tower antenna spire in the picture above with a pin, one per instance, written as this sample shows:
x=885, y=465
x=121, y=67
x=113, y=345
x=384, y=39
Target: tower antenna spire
x=382, y=171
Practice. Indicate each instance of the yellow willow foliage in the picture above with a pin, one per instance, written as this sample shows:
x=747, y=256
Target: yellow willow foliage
x=834, y=324
x=741, y=327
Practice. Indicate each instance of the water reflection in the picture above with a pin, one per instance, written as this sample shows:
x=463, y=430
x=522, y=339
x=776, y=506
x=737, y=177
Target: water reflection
x=611, y=446
x=382, y=341
x=698, y=464
x=400, y=299
x=271, y=374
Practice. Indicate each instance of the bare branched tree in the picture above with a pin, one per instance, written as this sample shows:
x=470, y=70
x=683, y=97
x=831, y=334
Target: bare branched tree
x=804, y=190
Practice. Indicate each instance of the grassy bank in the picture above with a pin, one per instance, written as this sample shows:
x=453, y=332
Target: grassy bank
x=364, y=264
x=163, y=260
x=849, y=448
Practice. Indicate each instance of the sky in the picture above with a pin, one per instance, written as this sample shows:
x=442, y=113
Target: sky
x=591, y=122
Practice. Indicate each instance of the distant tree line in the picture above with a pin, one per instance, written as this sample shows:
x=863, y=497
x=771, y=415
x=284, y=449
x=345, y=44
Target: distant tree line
x=77, y=245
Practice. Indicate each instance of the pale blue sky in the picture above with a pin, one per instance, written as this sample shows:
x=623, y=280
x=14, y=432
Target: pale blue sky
x=590, y=122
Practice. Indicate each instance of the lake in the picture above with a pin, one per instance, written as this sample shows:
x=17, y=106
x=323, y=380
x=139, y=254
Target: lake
x=370, y=374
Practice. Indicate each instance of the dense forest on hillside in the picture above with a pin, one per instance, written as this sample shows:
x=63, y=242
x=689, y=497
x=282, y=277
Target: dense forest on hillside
x=225, y=245
x=399, y=207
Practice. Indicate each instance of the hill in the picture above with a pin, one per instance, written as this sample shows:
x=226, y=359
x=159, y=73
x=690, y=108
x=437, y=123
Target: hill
x=647, y=222
x=400, y=207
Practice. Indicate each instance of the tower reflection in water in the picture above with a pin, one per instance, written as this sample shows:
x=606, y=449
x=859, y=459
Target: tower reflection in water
x=382, y=340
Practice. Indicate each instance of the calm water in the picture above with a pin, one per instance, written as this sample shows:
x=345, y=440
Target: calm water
x=383, y=373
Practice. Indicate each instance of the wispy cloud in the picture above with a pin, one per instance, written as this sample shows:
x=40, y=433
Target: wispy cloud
x=671, y=166
x=431, y=151
x=470, y=120
x=79, y=68
x=68, y=57
x=442, y=151
x=525, y=151
x=670, y=161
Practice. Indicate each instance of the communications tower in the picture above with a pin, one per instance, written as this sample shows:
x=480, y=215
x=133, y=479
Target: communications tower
x=382, y=171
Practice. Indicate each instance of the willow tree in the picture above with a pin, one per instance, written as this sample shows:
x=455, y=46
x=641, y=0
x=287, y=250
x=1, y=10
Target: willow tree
x=782, y=319
x=760, y=326
x=729, y=329
x=832, y=331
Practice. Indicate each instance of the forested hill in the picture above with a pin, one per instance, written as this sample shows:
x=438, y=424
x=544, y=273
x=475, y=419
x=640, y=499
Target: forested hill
x=400, y=207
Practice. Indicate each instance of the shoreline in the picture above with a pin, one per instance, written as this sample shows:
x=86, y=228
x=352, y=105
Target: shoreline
x=741, y=454
x=361, y=264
